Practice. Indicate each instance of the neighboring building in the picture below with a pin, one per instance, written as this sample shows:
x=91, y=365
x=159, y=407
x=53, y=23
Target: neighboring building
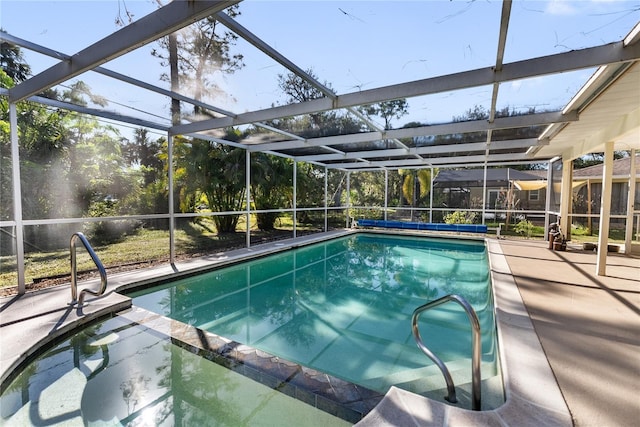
x=527, y=190
x=587, y=190
x=463, y=188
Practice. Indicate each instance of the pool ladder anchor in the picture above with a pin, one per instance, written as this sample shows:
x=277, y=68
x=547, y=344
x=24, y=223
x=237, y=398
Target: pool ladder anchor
x=74, y=270
x=476, y=349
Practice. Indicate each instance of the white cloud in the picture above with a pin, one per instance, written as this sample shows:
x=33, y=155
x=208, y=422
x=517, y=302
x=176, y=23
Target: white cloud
x=560, y=7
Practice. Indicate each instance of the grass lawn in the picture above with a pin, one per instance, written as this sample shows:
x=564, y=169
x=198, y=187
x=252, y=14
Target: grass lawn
x=145, y=246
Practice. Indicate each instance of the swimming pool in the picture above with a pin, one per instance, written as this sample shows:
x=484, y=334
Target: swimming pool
x=527, y=384
x=292, y=292
x=344, y=307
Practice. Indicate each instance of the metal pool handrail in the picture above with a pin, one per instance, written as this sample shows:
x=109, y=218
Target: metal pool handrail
x=74, y=270
x=475, y=358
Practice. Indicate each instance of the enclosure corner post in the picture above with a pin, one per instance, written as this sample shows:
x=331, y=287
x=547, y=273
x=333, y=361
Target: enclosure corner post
x=326, y=200
x=172, y=243
x=17, y=197
x=248, y=196
x=631, y=192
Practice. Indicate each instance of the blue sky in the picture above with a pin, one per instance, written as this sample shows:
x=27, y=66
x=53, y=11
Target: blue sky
x=352, y=45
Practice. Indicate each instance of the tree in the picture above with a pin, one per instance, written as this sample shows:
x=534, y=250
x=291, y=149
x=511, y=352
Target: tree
x=367, y=189
x=70, y=165
x=12, y=62
x=310, y=189
x=319, y=124
x=296, y=89
x=197, y=53
x=92, y=155
x=43, y=143
x=387, y=110
x=595, y=159
x=215, y=171
x=271, y=186
x=416, y=185
x=145, y=154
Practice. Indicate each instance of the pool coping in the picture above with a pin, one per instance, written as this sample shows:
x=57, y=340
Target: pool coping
x=533, y=397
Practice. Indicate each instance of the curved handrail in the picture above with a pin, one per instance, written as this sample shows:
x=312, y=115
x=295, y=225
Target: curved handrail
x=74, y=271
x=476, y=349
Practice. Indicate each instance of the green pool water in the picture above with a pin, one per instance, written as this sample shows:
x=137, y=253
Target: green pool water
x=344, y=306
x=117, y=373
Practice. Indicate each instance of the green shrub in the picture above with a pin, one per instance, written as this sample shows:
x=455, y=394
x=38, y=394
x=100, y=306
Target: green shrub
x=460, y=217
x=524, y=227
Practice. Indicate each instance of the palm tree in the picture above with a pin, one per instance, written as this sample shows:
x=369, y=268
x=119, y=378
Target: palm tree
x=217, y=172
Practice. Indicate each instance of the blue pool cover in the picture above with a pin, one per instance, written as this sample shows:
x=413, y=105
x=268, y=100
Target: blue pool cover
x=428, y=226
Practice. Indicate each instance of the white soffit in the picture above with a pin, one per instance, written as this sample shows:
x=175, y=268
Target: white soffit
x=614, y=115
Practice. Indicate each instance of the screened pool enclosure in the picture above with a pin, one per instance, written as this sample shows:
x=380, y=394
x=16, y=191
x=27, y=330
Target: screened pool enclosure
x=188, y=128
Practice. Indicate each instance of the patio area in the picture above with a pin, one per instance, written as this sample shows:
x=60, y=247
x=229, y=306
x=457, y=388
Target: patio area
x=588, y=325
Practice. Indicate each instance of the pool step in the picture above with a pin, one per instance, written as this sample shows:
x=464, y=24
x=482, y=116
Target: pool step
x=460, y=373
x=492, y=391
x=428, y=380
x=429, y=372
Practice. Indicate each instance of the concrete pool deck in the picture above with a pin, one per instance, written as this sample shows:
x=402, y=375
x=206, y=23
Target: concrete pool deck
x=589, y=327
x=586, y=338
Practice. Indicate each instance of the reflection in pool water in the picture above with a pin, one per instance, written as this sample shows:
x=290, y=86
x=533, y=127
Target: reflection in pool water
x=344, y=306
x=121, y=373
